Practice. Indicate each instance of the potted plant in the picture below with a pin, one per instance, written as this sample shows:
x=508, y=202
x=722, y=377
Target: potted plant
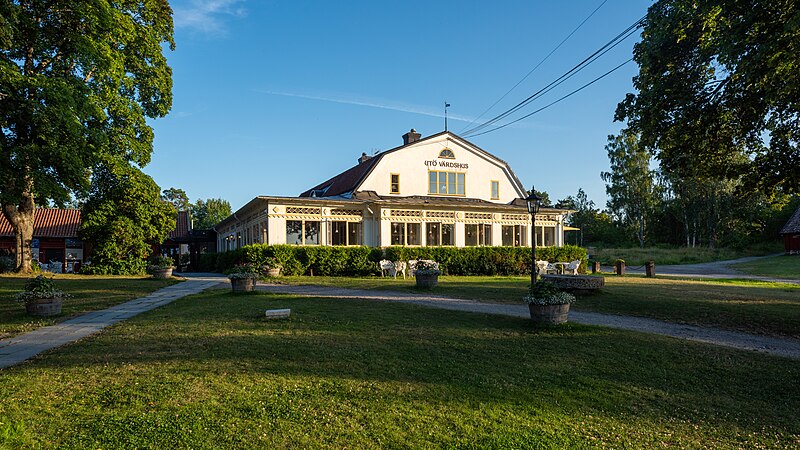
x=271, y=267
x=161, y=266
x=548, y=304
x=427, y=274
x=41, y=297
x=243, y=277
x=184, y=262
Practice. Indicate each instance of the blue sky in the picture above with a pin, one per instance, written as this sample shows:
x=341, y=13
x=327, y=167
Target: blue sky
x=273, y=97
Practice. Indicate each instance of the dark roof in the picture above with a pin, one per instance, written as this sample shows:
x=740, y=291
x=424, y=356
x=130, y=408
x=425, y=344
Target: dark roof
x=793, y=225
x=181, y=226
x=49, y=222
x=347, y=181
x=344, y=182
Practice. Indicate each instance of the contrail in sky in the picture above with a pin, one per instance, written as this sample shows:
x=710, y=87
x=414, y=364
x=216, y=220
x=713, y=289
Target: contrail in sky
x=371, y=104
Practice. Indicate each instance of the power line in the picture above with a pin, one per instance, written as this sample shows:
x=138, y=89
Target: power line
x=569, y=74
x=554, y=102
x=536, y=66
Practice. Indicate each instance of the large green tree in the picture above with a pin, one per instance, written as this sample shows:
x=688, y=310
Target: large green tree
x=177, y=197
x=123, y=218
x=719, y=90
x=78, y=79
x=206, y=214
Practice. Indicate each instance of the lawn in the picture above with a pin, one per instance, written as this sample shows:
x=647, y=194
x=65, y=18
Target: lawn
x=209, y=371
x=749, y=306
x=636, y=256
x=90, y=293
x=781, y=266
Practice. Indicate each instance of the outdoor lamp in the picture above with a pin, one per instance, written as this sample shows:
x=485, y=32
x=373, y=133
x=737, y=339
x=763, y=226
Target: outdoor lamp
x=533, y=201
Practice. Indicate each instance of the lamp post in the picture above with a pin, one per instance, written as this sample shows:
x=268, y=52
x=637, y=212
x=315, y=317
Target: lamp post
x=533, y=201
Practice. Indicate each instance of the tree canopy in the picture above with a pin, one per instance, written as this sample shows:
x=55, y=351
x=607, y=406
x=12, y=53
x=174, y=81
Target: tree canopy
x=78, y=79
x=177, y=197
x=719, y=90
x=206, y=214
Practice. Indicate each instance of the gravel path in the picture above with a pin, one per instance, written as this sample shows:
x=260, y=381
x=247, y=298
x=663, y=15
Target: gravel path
x=785, y=347
x=715, y=269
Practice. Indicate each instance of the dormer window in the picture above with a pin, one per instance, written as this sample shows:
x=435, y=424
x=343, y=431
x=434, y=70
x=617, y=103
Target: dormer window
x=447, y=154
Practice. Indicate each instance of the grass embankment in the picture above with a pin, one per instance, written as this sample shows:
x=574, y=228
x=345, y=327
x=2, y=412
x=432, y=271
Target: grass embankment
x=749, y=306
x=636, y=256
x=90, y=293
x=209, y=371
x=781, y=266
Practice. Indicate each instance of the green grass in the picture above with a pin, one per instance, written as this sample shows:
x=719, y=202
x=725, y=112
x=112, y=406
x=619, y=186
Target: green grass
x=209, y=371
x=781, y=266
x=636, y=256
x=749, y=306
x=90, y=293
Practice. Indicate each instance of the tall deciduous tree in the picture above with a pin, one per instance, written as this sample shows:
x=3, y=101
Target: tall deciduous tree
x=177, y=197
x=206, y=214
x=631, y=184
x=123, y=218
x=78, y=78
x=719, y=90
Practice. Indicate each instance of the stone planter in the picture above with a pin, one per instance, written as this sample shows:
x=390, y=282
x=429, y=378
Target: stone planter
x=44, y=306
x=239, y=285
x=549, y=314
x=274, y=272
x=426, y=281
x=162, y=273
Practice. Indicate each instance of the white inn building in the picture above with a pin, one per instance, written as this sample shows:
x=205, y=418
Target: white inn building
x=440, y=190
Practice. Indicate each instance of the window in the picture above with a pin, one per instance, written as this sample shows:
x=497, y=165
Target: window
x=439, y=234
x=302, y=232
x=405, y=233
x=545, y=236
x=447, y=154
x=445, y=183
x=345, y=233
x=495, y=190
x=515, y=235
x=394, y=187
x=477, y=234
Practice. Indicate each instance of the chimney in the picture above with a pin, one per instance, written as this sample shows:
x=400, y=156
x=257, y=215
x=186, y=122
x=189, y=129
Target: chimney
x=411, y=136
x=363, y=158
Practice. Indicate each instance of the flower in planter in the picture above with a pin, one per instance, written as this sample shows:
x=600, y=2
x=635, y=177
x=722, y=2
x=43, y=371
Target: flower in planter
x=243, y=271
x=544, y=293
x=160, y=262
x=425, y=267
x=40, y=288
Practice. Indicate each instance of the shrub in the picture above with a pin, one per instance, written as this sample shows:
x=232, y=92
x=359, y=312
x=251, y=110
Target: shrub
x=160, y=262
x=7, y=264
x=40, y=287
x=545, y=293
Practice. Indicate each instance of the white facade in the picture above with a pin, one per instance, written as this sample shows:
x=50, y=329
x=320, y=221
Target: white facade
x=441, y=190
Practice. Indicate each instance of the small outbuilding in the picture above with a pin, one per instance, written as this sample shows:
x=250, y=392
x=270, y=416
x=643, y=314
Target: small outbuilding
x=791, y=234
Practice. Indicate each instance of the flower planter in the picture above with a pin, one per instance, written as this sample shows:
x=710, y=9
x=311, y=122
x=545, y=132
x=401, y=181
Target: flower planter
x=162, y=273
x=549, y=314
x=426, y=281
x=44, y=306
x=243, y=284
x=274, y=272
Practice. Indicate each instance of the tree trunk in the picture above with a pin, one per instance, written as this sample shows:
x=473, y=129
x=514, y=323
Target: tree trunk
x=21, y=219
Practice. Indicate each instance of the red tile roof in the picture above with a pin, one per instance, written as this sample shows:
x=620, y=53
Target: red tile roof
x=181, y=227
x=49, y=222
x=793, y=225
x=344, y=182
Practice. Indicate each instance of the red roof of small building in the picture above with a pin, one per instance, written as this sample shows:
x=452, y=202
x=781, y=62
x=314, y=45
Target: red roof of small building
x=793, y=225
x=49, y=222
x=181, y=227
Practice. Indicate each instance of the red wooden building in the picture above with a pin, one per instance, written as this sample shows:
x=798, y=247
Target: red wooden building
x=791, y=234
x=55, y=237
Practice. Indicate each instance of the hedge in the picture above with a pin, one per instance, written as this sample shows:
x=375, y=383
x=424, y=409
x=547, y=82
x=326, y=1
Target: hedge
x=360, y=261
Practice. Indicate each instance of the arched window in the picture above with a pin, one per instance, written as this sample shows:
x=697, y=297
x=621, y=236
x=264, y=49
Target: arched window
x=447, y=153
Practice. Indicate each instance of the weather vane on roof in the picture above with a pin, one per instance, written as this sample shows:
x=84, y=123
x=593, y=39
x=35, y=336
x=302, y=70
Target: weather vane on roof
x=446, y=105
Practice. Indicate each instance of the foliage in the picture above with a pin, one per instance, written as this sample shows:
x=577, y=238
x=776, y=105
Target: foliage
x=7, y=264
x=544, y=196
x=160, y=262
x=78, y=81
x=123, y=218
x=630, y=184
x=270, y=262
x=424, y=267
x=595, y=226
x=546, y=293
x=177, y=198
x=359, y=261
x=243, y=271
x=718, y=91
x=206, y=214
x=40, y=287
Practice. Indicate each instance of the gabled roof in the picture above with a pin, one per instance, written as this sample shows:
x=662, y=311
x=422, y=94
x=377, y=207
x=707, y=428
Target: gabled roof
x=348, y=181
x=793, y=225
x=49, y=222
x=181, y=227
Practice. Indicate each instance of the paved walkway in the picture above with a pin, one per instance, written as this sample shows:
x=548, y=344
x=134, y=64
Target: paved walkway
x=25, y=346
x=785, y=347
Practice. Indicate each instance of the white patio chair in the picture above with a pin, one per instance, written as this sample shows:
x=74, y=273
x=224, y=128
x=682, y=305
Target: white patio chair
x=544, y=267
x=572, y=268
x=412, y=267
x=386, y=266
x=400, y=266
